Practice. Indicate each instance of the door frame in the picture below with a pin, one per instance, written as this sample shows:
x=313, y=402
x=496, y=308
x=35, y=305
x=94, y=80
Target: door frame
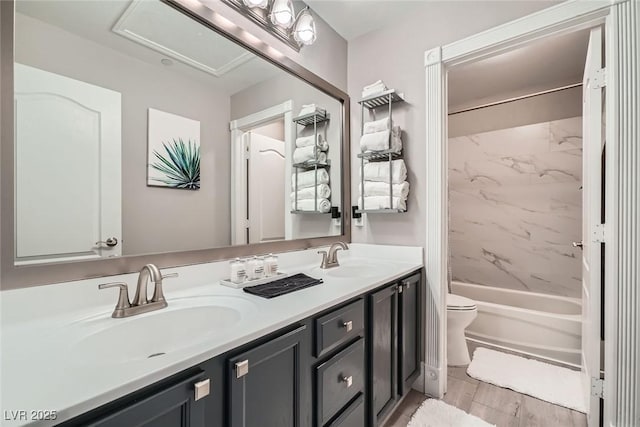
x=621, y=135
x=239, y=167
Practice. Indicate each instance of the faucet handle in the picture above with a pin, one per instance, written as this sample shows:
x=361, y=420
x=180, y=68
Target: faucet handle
x=123, y=296
x=169, y=275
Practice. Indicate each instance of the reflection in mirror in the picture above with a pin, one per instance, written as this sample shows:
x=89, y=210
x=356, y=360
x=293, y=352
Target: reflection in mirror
x=139, y=130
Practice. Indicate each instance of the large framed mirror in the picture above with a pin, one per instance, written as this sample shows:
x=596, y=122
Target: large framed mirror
x=137, y=131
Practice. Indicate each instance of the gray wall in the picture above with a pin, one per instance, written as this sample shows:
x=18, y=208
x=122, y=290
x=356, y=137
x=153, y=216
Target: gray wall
x=153, y=219
x=276, y=91
x=395, y=54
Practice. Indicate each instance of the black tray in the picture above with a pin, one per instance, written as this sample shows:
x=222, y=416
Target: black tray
x=282, y=286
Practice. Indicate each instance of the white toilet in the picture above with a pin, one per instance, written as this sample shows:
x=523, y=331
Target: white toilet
x=460, y=313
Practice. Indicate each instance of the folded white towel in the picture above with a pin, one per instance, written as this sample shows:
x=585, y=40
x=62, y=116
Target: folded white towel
x=308, y=179
x=305, y=154
x=379, y=171
x=310, y=108
x=373, y=88
x=376, y=126
x=379, y=141
x=324, y=205
x=382, y=202
x=377, y=188
x=324, y=192
x=306, y=141
x=374, y=84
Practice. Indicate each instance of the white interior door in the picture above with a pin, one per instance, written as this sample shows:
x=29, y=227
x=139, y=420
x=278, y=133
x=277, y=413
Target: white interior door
x=68, y=185
x=267, y=190
x=593, y=144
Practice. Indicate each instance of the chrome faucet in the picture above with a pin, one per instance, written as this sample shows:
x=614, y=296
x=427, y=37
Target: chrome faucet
x=330, y=259
x=140, y=303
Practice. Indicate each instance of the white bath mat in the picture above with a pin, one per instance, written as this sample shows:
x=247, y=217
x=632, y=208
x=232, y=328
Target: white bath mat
x=436, y=413
x=560, y=386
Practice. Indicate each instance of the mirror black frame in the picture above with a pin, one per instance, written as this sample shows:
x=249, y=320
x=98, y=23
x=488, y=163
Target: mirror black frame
x=12, y=276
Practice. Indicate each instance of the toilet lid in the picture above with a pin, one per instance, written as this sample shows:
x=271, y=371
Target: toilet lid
x=457, y=302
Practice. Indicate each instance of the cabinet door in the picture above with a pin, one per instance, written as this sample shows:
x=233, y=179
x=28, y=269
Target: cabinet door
x=175, y=406
x=409, y=336
x=265, y=383
x=383, y=351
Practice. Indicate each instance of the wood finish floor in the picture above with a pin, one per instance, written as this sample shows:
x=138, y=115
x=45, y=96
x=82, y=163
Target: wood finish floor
x=496, y=405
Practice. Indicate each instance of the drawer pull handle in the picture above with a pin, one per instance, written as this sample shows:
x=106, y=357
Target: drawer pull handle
x=347, y=380
x=202, y=389
x=348, y=325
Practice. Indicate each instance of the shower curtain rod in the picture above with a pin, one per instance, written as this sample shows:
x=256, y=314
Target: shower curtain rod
x=517, y=98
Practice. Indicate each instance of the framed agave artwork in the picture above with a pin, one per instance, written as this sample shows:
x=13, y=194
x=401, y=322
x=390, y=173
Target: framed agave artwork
x=173, y=158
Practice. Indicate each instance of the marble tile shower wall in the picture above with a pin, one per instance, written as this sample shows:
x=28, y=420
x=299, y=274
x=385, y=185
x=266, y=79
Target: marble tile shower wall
x=515, y=207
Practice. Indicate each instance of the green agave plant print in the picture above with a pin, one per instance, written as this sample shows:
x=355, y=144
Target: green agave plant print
x=179, y=164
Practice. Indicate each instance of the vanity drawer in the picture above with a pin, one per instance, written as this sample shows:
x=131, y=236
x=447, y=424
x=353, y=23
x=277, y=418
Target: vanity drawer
x=339, y=326
x=339, y=380
x=353, y=416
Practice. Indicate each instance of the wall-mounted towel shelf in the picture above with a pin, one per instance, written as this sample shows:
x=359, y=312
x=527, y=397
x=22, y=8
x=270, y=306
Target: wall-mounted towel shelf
x=317, y=117
x=394, y=152
x=382, y=211
x=311, y=164
x=382, y=99
x=384, y=155
x=314, y=118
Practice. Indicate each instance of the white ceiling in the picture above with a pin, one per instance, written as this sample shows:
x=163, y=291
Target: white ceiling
x=353, y=18
x=190, y=42
x=546, y=64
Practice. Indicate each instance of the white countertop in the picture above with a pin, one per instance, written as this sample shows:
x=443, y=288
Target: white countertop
x=46, y=366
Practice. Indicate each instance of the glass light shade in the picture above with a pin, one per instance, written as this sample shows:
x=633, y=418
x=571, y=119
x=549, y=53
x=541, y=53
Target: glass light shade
x=282, y=13
x=305, y=30
x=262, y=4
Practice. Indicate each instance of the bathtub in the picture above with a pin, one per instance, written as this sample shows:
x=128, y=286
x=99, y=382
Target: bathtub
x=545, y=326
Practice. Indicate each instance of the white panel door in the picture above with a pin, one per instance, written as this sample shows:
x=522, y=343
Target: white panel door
x=68, y=184
x=593, y=144
x=266, y=188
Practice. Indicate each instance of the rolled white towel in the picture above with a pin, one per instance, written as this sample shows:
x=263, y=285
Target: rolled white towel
x=324, y=205
x=374, y=84
x=379, y=171
x=324, y=192
x=307, y=141
x=305, y=154
x=382, y=202
x=308, y=179
x=377, y=188
x=379, y=141
x=376, y=126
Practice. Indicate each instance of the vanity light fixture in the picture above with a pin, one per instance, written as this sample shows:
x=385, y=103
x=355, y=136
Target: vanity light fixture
x=279, y=18
x=304, y=32
x=282, y=13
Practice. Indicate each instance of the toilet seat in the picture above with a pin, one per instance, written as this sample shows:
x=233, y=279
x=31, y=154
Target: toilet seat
x=460, y=303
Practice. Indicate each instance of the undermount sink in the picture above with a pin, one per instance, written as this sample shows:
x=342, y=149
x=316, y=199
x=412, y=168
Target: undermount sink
x=186, y=322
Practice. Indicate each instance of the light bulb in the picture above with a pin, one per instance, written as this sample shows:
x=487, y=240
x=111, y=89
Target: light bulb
x=305, y=30
x=282, y=13
x=256, y=3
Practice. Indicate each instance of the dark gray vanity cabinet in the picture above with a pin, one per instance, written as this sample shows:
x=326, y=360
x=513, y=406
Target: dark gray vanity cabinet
x=409, y=336
x=174, y=404
x=266, y=383
x=383, y=345
x=394, y=344
x=347, y=366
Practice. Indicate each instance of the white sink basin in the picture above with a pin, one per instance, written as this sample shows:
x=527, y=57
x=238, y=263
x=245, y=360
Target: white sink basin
x=185, y=323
